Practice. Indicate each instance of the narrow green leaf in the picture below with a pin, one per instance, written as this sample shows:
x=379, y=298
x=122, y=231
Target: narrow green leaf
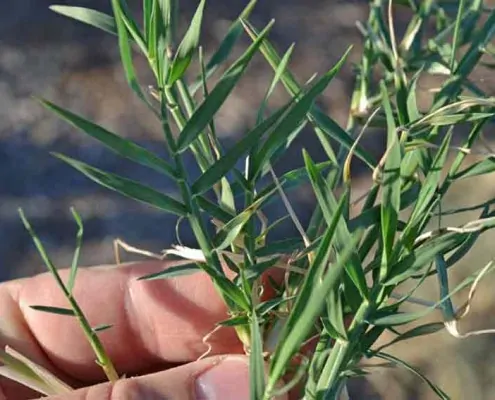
x=43, y=254
x=270, y=305
x=455, y=39
x=281, y=246
x=395, y=318
x=101, y=328
x=485, y=166
x=333, y=130
x=125, y=49
x=463, y=249
x=54, y=310
x=293, y=119
x=170, y=13
x=187, y=47
x=172, y=272
x=127, y=187
x=439, y=392
x=423, y=255
x=276, y=78
x=480, y=40
x=281, y=150
x=421, y=330
x=75, y=258
x=335, y=312
x=88, y=16
x=118, y=145
x=412, y=103
x=391, y=182
x=316, y=116
x=255, y=271
x=425, y=200
x=371, y=216
x=147, y=15
x=230, y=231
x=231, y=158
x=448, y=311
x=132, y=26
x=328, y=205
x=225, y=48
x=214, y=210
x=256, y=362
x=233, y=292
x=151, y=10
x=102, y=358
x=206, y=111
x=242, y=320
x=311, y=298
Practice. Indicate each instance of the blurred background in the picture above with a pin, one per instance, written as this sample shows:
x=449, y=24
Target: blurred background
x=46, y=55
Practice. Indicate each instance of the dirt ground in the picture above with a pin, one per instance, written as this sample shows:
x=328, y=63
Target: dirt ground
x=49, y=56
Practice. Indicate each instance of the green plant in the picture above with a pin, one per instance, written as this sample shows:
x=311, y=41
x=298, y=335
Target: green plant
x=342, y=272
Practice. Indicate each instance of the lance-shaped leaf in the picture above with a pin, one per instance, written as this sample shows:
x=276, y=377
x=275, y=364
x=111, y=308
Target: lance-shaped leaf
x=303, y=104
x=485, y=166
x=187, y=47
x=225, y=48
x=276, y=78
x=173, y=272
x=232, y=229
x=413, y=263
x=425, y=199
x=127, y=187
x=310, y=300
x=439, y=392
x=231, y=158
x=102, y=328
x=125, y=49
x=387, y=318
x=316, y=116
x=88, y=16
x=75, y=259
x=55, y=310
x=207, y=110
x=329, y=205
x=417, y=331
x=391, y=182
x=118, y=145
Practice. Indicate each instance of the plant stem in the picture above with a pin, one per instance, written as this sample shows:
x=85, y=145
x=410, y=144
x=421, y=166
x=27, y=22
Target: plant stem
x=344, y=351
x=195, y=219
x=101, y=356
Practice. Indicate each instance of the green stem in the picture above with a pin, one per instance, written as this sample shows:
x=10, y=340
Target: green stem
x=102, y=357
x=331, y=374
x=344, y=352
x=194, y=217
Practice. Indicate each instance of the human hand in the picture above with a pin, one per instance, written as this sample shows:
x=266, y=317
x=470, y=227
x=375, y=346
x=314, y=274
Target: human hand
x=156, y=326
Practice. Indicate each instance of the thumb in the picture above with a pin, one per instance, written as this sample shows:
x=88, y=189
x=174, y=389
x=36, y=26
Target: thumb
x=214, y=378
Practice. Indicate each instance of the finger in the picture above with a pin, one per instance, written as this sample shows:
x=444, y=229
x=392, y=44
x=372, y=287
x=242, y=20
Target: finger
x=220, y=377
x=152, y=321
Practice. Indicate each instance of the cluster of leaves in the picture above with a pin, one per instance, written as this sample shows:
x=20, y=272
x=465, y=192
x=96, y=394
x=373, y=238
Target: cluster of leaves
x=341, y=272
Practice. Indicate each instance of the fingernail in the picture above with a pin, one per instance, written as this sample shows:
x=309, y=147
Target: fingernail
x=227, y=380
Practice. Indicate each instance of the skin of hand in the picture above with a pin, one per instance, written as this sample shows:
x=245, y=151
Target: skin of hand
x=156, y=336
